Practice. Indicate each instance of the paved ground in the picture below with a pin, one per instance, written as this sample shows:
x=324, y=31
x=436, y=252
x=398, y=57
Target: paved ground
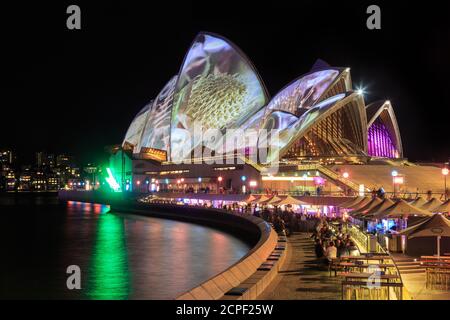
x=415, y=284
x=300, y=279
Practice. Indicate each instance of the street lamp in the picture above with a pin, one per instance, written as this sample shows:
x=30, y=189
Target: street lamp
x=244, y=188
x=345, y=175
x=445, y=173
x=394, y=173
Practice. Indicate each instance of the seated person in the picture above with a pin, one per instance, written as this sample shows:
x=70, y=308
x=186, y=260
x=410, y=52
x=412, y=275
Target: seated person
x=353, y=249
x=331, y=252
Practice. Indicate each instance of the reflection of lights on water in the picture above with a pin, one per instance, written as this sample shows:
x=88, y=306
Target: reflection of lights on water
x=108, y=273
x=83, y=207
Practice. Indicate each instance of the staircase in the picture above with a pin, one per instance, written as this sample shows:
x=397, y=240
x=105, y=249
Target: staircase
x=331, y=175
x=408, y=266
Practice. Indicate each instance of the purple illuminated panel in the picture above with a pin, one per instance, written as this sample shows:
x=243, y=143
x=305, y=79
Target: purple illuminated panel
x=379, y=142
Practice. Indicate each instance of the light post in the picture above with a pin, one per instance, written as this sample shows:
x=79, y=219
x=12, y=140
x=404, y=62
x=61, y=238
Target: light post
x=220, y=180
x=445, y=173
x=394, y=173
x=244, y=187
x=346, y=175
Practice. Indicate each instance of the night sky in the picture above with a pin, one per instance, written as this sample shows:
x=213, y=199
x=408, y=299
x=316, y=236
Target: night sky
x=77, y=91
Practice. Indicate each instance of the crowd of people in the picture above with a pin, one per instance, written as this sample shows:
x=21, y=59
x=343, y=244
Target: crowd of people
x=287, y=221
x=331, y=244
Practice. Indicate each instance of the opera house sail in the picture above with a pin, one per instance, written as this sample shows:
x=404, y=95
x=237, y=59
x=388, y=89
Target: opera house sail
x=316, y=116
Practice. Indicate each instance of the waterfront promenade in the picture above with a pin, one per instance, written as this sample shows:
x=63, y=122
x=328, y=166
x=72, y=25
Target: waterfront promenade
x=299, y=278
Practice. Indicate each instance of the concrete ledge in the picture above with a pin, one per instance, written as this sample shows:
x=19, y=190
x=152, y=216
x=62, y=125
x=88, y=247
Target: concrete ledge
x=259, y=280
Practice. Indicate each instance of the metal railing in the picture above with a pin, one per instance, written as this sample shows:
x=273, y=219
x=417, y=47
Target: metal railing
x=363, y=239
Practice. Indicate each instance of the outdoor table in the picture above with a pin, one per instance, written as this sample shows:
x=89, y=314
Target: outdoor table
x=366, y=258
x=367, y=275
x=444, y=258
x=357, y=277
x=434, y=263
x=437, y=266
x=359, y=266
x=437, y=275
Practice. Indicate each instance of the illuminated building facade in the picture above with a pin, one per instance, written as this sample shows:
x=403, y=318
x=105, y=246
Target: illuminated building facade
x=318, y=118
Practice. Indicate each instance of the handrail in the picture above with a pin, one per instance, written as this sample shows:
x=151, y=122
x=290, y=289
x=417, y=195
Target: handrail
x=330, y=174
x=363, y=237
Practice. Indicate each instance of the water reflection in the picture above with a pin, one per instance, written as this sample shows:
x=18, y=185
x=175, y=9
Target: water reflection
x=121, y=256
x=108, y=272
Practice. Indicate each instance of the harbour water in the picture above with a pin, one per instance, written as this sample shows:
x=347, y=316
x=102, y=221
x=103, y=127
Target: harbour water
x=120, y=256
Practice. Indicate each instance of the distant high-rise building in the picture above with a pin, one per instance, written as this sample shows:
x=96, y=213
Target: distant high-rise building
x=63, y=160
x=51, y=160
x=6, y=157
x=41, y=159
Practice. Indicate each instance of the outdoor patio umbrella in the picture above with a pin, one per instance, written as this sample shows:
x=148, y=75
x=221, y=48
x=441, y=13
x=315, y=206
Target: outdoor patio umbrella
x=402, y=209
x=443, y=208
x=290, y=200
x=261, y=198
x=383, y=205
x=264, y=199
x=274, y=201
x=351, y=201
x=250, y=199
x=418, y=202
x=435, y=226
x=364, y=209
x=360, y=204
x=431, y=204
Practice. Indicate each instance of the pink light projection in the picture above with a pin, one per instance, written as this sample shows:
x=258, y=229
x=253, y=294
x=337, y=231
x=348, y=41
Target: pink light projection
x=379, y=141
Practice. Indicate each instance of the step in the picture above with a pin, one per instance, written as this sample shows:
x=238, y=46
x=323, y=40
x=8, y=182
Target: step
x=410, y=271
x=409, y=267
x=405, y=263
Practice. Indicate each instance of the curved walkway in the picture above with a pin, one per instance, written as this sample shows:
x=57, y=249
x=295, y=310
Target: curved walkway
x=300, y=278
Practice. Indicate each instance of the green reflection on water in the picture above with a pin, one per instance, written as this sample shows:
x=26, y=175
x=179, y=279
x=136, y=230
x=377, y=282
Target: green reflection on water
x=109, y=276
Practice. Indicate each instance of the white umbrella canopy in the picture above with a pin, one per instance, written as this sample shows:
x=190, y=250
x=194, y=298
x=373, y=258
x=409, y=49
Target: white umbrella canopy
x=351, y=202
x=443, y=208
x=264, y=199
x=290, y=200
x=274, y=201
x=260, y=198
x=402, y=209
x=250, y=199
x=435, y=226
x=374, y=212
x=360, y=204
x=418, y=202
x=431, y=204
x=364, y=209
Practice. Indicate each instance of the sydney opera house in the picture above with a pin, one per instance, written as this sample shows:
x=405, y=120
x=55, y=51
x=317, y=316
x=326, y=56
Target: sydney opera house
x=326, y=133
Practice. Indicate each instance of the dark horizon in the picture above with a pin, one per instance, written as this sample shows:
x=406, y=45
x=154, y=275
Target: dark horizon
x=77, y=91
